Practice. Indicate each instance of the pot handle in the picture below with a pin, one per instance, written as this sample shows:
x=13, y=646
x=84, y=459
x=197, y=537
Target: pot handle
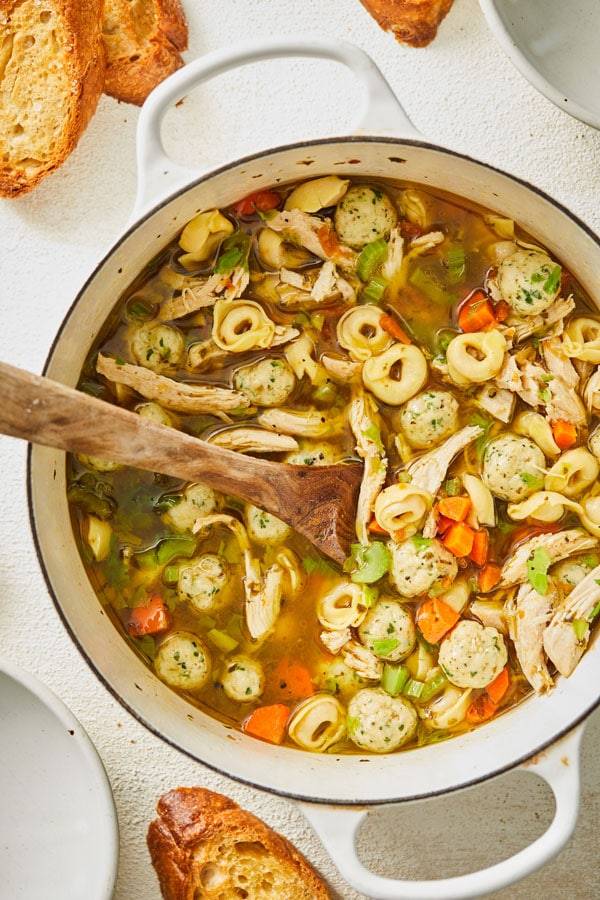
x=559, y=767
x=379, y=113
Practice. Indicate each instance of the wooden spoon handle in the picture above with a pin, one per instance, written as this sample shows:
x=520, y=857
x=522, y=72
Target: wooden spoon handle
x=43, y=411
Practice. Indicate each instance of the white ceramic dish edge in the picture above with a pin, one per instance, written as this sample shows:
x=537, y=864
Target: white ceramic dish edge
x=529, y=71
x=106, y=851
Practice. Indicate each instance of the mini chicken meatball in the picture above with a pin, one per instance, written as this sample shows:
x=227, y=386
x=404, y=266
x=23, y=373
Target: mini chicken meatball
x=570, y=572
x=529, y=281
x=388, y=630
x=429, y=418
x=472, y=655
x=418, y=563
x=313, y=455
x=158, y=347
x=339, y=679
x=155, y=413
x=263, y=527
x=513, y=467
x=203, y=581
x=197, y=500
x=182, y=661
x=243, y=679
x=100, y=465
x=267, y=383
x=378, y=722
x=364, y=215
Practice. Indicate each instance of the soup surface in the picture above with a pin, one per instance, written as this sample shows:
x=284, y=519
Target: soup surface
x=335, y=320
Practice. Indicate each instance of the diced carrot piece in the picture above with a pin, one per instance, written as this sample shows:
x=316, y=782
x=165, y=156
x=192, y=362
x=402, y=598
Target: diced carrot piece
x=497, y=688
x=476, y=313
x=399, y=535
x=481, y=709
x=481, y=546
x=489, y=577
x=435, y=618
x=443, y=524
x=524, y=532
x=502, y=311
x=268, y=723
x=328, y=239
x=291, y=680
x=375, y=527
x=459, y=539
x=565, y=434
x=389, y=324
x=152, y=618
x=260, y=201
x=455, y=508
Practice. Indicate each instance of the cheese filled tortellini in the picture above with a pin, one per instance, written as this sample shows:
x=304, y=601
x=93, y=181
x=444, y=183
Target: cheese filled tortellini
x=317, y=723
x=396, y=375
x=360, y=332
x=476, y=357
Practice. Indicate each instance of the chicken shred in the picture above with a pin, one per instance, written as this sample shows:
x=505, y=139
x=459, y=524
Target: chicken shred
x=527, y=624
x=558, y=546
x=561, y=642
x=428, y=471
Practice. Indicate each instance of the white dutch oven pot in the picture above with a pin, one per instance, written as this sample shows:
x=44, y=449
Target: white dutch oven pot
x=334, y=790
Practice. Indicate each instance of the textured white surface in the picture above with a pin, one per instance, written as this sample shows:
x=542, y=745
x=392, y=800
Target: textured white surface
x=461, y=91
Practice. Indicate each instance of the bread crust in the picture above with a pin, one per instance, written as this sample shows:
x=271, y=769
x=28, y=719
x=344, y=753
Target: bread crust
x=413, y=22
x=190, y=819
x=131, y=77
x=86, y=64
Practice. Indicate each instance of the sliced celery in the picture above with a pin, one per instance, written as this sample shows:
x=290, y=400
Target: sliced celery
x=370, y=258
x=221, y=640
x=394, y=678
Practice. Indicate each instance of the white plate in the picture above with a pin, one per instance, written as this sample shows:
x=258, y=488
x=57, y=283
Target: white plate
x=58, y=825
x=555, y=45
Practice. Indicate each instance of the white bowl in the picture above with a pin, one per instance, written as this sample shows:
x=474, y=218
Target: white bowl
x=58, y=825
x=556, y=46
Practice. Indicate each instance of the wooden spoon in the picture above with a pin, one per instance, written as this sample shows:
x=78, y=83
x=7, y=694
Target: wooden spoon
x=317, y=501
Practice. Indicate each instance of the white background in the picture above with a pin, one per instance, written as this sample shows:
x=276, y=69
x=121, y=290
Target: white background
x=461, y=91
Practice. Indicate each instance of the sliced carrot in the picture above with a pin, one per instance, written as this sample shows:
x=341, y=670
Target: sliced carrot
x=260, y=201
x=497, y=688
x=481, y=709
x=328, y=239
x=565, y=434
x=291, y=680
x=375, y=527
x=152, y=618
x=481, y=546
x=489, y=577
x=443, y=524
x=389, y=324
x=502, y=311
x=455, y=508
x=268, y=723
x=459, y=539
x=524, y=532
x=476, y=313
x=435, y=618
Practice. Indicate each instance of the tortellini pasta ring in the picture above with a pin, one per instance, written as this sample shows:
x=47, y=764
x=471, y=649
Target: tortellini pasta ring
x=277, y=254
x=449, y=708
x=397, y=374
x=202, y=235
x=359, y=331
x=543, y=506
x=475, y=357
x=317, y=722
x=590, y=515
x=402, y=507
x=573, y=472
x=239, y=326
x=533, y=425
x=343, y=606
x=582, y=339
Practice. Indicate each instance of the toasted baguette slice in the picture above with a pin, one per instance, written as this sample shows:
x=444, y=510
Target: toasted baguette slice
x=143, y=39
x=51, y=75
x=413, y=22
x=204, y=846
